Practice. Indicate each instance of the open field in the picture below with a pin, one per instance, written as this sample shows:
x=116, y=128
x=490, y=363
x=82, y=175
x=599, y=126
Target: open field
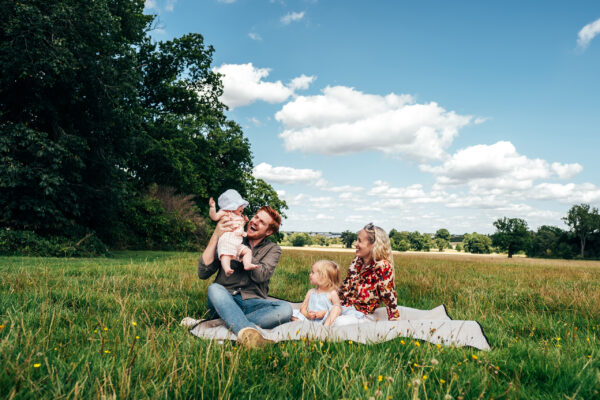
x=108, y=328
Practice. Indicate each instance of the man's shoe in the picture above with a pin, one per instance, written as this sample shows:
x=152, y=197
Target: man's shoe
x=190, y=322
x=251, y=338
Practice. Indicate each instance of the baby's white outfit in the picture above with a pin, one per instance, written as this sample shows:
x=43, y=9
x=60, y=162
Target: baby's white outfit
x=230, y=243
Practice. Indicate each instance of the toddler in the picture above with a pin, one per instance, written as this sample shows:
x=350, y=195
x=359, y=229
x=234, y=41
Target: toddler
x=317, y=304
x=230, y=245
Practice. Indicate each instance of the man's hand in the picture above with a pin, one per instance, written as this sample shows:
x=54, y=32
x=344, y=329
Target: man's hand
x=225, y=225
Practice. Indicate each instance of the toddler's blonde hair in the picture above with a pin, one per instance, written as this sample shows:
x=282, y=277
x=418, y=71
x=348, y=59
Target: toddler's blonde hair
x=330, y=272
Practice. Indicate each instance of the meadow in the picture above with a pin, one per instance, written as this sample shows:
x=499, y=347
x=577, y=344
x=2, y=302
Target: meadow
x=108, y=328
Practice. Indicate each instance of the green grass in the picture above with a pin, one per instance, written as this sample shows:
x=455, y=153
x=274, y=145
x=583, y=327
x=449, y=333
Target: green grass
x=108, y=328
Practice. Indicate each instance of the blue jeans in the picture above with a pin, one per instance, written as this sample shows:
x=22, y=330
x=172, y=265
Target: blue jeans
x=238, y=313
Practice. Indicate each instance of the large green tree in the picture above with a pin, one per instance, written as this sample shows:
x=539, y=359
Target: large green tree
x=68, y=100
x=92, y=113
x=583, y=221
x=512, y=235
x=477, y=243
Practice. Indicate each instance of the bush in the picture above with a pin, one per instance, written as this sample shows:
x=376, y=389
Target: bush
x=163, y=220
x=28, y=243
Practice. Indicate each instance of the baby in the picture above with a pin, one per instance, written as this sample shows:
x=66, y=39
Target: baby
x=317, y=304
x=230, y=245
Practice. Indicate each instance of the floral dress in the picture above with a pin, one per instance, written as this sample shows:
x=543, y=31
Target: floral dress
x=366, y=286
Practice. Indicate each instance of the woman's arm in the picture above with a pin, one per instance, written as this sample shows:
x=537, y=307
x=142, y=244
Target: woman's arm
x=387, y=291
x=336, y=308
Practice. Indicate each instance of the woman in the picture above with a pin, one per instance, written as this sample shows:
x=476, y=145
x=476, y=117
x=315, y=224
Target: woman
x=370, y=279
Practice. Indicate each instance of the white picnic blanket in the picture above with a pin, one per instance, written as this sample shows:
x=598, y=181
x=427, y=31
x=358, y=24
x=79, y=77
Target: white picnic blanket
x=433, y=325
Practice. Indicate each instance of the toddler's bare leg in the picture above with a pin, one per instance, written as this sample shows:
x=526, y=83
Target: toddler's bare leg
x=226, y=264
x=247, y=259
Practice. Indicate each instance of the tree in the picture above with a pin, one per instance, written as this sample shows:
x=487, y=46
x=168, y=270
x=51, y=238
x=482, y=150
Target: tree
x=68, y=109
x=459, y=247
x=441, y=244
x=93, y=113
x=348, y=238
x=300, y=239
x=442, y=239
x=443, y=233
x=477, y=243
x=512, y=235
x=583, y=222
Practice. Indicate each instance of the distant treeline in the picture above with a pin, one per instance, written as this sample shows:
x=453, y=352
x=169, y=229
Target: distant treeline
x=512, y=236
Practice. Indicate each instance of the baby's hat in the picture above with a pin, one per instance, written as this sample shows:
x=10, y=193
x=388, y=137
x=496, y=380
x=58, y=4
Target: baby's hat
x=230, y=200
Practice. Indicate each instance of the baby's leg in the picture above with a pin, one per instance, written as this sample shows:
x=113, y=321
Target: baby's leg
x=226, y=264
x=246, y=254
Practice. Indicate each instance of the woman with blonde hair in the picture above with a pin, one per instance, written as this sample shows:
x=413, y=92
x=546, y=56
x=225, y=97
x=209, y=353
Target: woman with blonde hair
x=370, y=279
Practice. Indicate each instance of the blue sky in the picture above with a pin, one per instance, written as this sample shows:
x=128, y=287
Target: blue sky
x=411, y=115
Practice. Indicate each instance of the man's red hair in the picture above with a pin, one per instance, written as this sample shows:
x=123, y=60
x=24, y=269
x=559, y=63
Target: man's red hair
x=274, y=225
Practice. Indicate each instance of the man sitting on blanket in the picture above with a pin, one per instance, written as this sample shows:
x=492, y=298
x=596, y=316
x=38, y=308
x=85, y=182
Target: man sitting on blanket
x=240, y=299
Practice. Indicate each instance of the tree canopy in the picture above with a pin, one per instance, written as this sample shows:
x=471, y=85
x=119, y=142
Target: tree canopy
x=93, y=113
x=583, y=221
x=512, y=235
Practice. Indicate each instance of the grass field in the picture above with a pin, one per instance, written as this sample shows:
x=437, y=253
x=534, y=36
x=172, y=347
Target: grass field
x=108, y=328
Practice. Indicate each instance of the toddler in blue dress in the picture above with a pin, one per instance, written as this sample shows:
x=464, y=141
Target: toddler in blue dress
x=318, y=302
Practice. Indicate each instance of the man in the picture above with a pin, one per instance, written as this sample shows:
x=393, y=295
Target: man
x=241, y=298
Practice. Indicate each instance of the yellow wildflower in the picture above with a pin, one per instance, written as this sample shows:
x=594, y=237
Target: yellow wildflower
x=107, y=351
x=439, y=346
x=402, y=342
x=2, y=327
x=474, y=357
x=350, y=342
x=424, y=377
x=366, y=387
x=37, y=365
x=417, y=344
x=442, y=381
x=137, y=337
x=558, y=339
x=380, y=378
x=133, y=323
x=105, y=328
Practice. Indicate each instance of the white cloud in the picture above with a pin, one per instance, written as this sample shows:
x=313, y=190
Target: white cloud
x=324, y=217
x=244, y=84
x=383, y=190
x=170, y=5
x=285, y=174
x=151, y=5
x=254, y=36
x=343, y=120
x=345, y=189
x=587, y=33
x=567, y=193
x=566, y=171
x=302, y=82
x=291, y=17
x=497, y=166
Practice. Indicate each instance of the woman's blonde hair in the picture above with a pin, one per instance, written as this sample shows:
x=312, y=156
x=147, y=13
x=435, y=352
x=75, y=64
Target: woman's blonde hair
x=382, y=249
x=330, y=272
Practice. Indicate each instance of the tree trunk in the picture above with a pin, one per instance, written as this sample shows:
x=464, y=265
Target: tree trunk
x=582, y=246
